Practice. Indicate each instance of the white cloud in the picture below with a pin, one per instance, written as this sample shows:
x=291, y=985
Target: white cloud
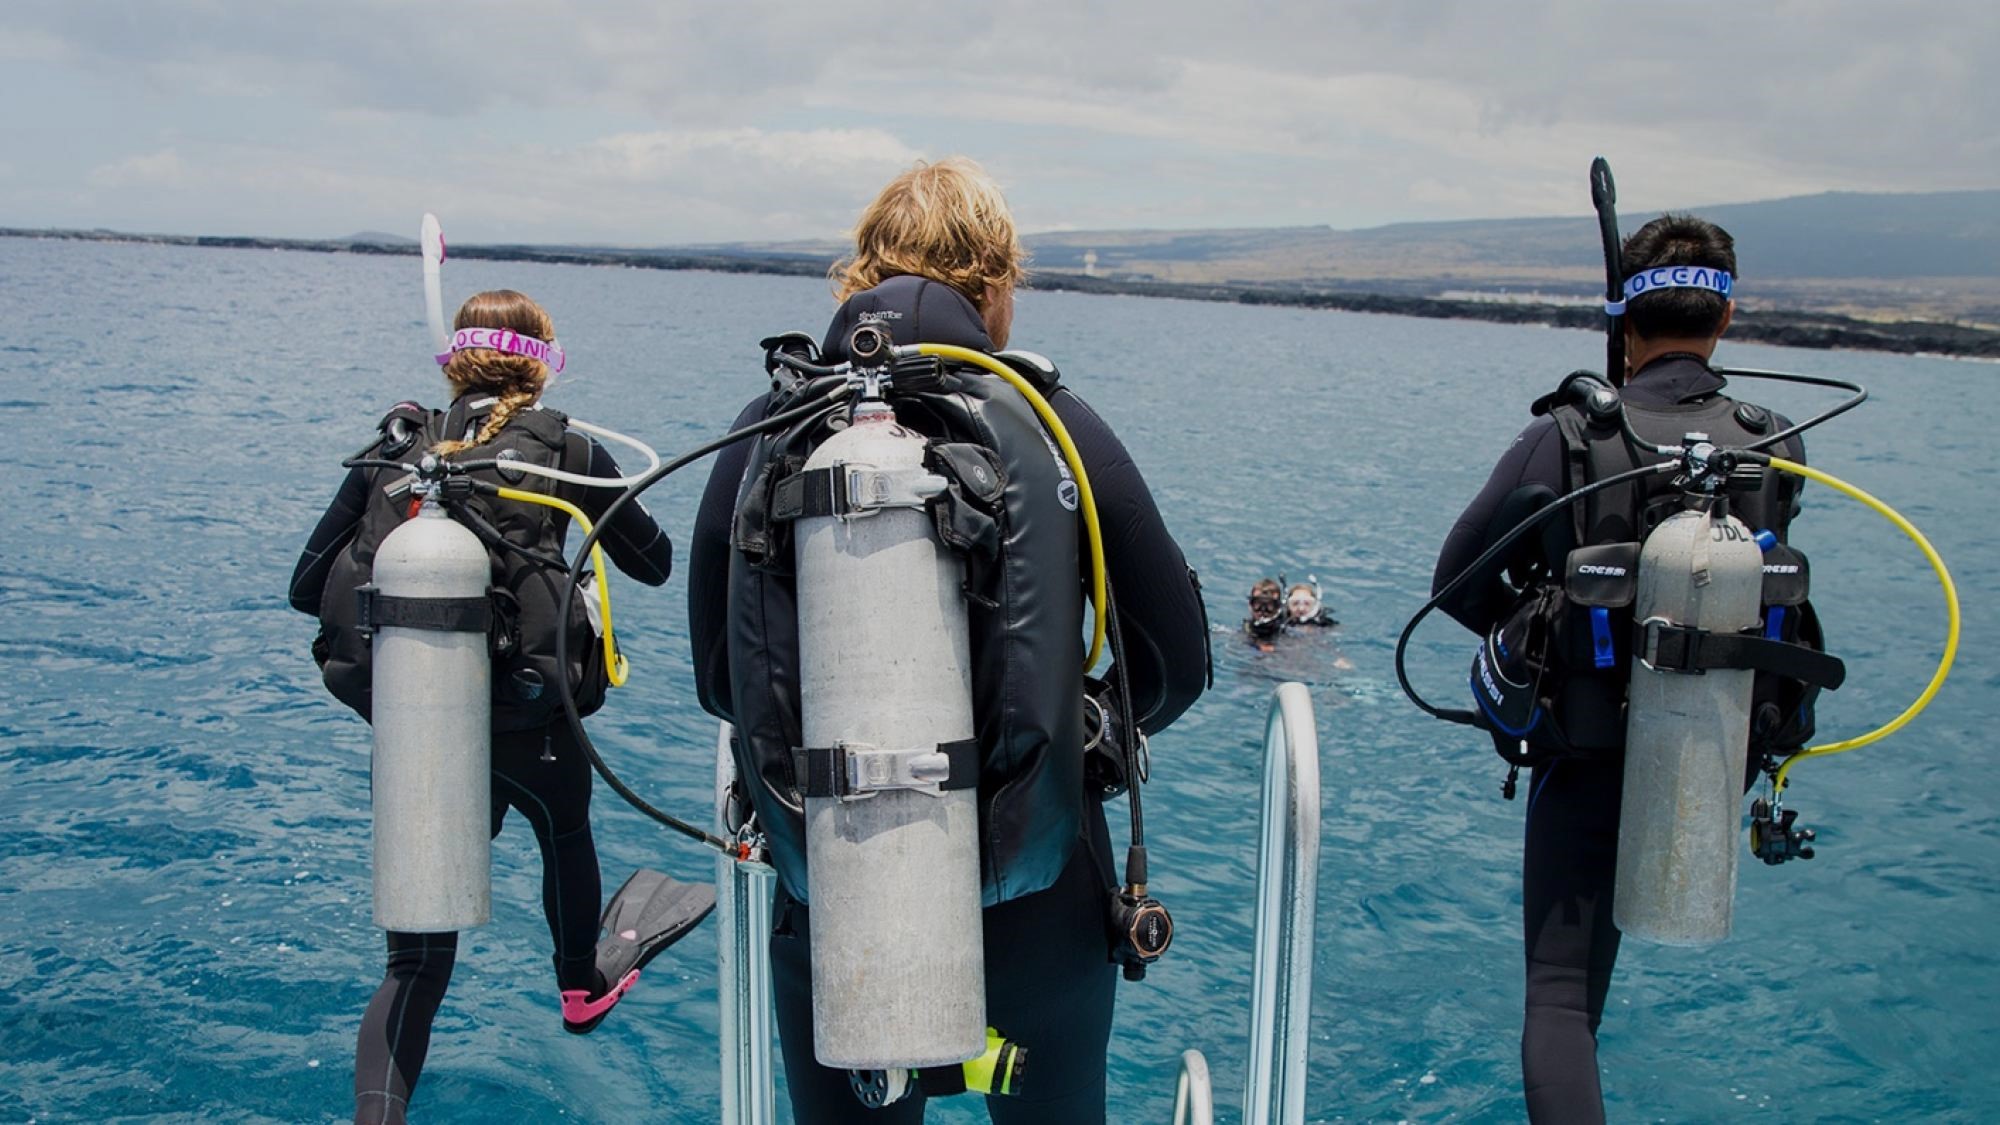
x=676, y=119
x=162, y=169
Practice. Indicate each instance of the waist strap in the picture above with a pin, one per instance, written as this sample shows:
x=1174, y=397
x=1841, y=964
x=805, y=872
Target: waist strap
x=852, y=770
x=375, y=610
x=1666, y=647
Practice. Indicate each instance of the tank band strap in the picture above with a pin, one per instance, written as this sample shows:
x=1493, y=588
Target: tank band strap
x=1667, y=647
x=842, y=490
x=851, y=770
x=375, y=610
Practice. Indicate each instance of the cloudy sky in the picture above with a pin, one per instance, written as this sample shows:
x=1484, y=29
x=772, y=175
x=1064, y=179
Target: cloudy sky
x=661, y=121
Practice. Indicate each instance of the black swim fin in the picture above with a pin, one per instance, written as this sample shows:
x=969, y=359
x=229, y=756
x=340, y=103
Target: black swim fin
x=649, y=913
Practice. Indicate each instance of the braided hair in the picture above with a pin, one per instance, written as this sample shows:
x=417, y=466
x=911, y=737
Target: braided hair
x=516, y=381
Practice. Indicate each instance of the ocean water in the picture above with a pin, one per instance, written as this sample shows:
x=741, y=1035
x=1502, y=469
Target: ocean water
x=184, y=929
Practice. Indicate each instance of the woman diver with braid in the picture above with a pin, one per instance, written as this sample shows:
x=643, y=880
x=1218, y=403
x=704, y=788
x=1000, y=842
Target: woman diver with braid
x=500, y=363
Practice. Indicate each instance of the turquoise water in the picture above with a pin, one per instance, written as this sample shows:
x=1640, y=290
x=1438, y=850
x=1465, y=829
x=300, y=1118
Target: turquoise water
x=184, y=924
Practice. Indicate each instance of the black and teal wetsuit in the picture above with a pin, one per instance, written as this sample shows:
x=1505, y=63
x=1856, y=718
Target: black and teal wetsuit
x=1049, y=982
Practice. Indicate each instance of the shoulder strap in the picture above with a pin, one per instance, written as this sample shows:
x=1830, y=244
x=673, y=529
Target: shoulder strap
x=401, y=428
x=1575, y=429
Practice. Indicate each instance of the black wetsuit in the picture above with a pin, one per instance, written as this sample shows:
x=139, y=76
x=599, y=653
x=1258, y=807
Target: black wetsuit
x=1570, y=852
x=541, y=772
x=1049, y=982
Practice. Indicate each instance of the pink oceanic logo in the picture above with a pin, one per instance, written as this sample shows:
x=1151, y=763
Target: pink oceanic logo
x=510, y=341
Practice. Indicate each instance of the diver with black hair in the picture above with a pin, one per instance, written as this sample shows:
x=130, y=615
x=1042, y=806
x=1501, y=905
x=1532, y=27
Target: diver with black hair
x=935, y=262
x=1678, y=274
x=501, y=356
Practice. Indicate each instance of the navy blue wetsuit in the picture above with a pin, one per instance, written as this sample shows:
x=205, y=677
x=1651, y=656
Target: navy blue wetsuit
x=1570, y=851
x=1049, y=982
x=541, y=772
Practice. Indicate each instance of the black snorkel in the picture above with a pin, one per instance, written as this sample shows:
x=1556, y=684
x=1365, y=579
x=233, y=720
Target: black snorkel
x=1604, y=197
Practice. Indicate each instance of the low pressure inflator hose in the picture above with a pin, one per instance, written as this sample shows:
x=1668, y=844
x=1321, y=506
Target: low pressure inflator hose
x=1937, y=679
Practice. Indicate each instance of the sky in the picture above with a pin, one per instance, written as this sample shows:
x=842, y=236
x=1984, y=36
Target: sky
x=662, y=122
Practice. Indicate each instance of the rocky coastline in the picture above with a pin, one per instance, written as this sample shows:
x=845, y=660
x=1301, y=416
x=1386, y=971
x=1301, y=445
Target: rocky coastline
x=1790, y=329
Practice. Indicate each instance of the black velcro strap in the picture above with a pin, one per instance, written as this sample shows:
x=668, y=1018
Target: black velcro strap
x=942, y=1081
x=813, y=492
x=376, y=610
x=1681, y=649
x=821, y=767
x=964, y=755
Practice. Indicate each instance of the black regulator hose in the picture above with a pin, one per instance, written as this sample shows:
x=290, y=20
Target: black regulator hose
x=567, y=692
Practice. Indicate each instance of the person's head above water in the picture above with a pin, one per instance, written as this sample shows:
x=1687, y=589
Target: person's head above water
x=511, y=371
x=1302, y=602
x=946, y=221
x=1267, y=607
x=1679, y=271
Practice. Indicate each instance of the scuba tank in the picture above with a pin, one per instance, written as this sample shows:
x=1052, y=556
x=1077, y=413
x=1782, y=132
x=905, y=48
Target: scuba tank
x=432, y=715
x=1687, y=729
x=891, y=760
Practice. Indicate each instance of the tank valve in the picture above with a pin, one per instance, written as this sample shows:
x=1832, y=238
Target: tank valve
x=1772, y=837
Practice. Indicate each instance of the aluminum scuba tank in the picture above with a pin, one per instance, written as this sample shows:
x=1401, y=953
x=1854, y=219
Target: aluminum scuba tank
x=898, y=975
x=1687, y=733
x=432, y=712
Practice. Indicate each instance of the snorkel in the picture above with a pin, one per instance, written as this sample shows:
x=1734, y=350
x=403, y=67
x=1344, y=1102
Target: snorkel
x=430, y=241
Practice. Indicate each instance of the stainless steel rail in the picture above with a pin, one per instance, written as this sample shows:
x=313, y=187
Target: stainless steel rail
x=1287, y=896
x=1194, y=1099
x=743, y=907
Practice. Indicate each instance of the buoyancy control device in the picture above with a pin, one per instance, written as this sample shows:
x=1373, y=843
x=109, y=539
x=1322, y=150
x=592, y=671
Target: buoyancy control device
x=523, y=542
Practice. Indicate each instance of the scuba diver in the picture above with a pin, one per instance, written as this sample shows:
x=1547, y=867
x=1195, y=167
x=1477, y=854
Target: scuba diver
x=1577, y=753
x=1268, y=616
x=1304, y=607
x=934, y=266
x=499, y=361
x=1276, y=609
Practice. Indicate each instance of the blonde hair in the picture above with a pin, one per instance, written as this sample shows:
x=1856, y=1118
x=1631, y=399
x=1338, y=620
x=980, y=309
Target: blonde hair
x=946, y=221
x=515, y=380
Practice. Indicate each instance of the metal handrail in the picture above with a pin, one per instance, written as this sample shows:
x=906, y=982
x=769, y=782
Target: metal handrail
x=1287, y=897
x=1194, y=1098
x=743, y=908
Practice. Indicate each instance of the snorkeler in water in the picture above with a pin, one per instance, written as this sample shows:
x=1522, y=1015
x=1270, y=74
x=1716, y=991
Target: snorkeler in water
x=1267, y=612
x=1304, y=606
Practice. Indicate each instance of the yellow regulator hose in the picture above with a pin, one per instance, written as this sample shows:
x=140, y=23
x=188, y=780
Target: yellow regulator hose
x=1951, y=633
x=1086, y=499
x=616, y=668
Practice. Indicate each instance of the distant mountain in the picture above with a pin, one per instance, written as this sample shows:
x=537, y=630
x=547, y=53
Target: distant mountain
x=1852, y=234
x=1831, y=236
x=378, y=238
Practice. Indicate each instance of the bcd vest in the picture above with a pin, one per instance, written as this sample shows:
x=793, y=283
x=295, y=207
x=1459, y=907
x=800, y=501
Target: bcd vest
x=1017, y=532
x=526, y=594
x=1583, y=651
